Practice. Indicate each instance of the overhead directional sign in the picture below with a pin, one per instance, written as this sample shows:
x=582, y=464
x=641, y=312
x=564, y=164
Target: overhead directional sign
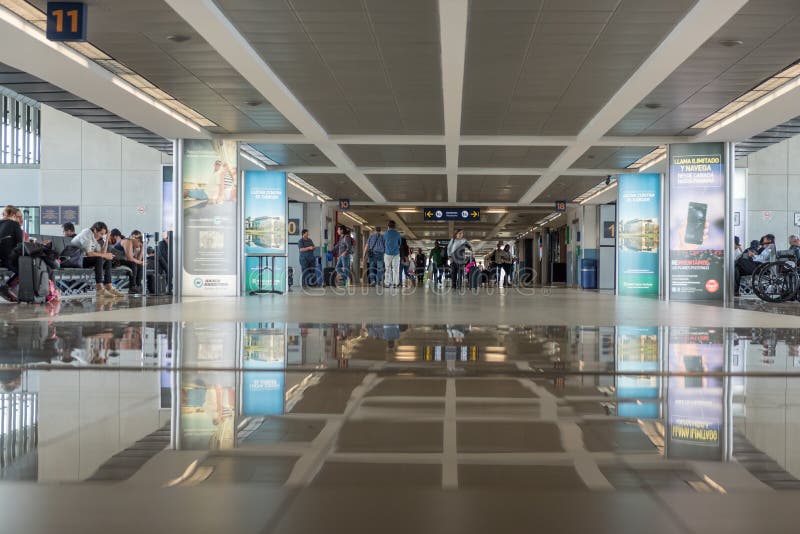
x=452, y=214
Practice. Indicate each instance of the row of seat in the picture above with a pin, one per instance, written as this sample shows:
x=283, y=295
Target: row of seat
x=75, y=280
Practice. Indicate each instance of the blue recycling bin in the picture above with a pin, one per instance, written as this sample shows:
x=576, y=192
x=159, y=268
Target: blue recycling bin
x=589, y=273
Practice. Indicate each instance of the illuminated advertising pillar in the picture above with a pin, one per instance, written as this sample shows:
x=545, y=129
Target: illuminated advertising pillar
x=697, y=213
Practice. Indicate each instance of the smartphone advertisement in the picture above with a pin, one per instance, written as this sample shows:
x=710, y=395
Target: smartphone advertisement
x=697, y=221
x=695, y=403
x=638, y=230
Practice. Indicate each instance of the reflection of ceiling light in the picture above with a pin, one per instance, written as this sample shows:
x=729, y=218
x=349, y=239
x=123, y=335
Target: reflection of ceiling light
x=406, y=210
x=755, y=98
x=494, y=358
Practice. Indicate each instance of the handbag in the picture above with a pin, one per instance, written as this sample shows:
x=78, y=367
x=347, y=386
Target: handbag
x=72, y=257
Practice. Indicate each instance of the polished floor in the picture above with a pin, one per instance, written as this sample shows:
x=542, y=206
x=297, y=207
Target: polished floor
x=515, y=414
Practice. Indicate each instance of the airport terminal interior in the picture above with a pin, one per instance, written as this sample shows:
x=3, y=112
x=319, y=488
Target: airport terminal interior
x=399, y=266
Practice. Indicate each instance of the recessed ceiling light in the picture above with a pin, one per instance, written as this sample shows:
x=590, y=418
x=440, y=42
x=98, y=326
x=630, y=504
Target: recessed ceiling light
x=652, y=105
x=253, y=103
x=731, y=42
x=178, y=38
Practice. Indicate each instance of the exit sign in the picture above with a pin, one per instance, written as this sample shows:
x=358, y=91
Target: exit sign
x=66, y=21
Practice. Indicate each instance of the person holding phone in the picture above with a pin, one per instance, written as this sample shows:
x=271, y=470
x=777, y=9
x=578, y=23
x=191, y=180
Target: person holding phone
x=97, y=255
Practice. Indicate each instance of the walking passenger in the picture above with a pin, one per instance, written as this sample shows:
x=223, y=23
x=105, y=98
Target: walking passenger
x=437, y=263
x=405, y=261
x=457, y=251
x=373, y=252
x=344, y=252
x=419, y=266
x=308, y=268
x=391, y=257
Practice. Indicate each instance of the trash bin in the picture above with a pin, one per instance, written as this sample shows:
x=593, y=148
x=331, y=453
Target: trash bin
x=589, y=274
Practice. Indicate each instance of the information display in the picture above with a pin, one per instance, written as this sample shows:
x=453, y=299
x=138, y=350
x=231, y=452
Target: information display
x=638, y=229
x=697, y=221
x=210, y=206
x=696, y=419
x=465, y=214
x=265, y=212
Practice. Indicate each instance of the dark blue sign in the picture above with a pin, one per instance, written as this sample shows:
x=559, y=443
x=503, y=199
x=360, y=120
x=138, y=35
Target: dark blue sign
x=452, y=214
x=344, y=204
x=60, y=214
x=66, y=21
x=561, y=205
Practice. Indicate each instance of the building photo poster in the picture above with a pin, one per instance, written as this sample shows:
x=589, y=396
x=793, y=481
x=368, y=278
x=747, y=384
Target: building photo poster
x=697, y=221
x=638, y=230
x=265, y=213
x=210, y=207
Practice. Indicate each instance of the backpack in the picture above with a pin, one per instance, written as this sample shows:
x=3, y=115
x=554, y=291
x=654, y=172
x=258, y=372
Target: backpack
x=72, y=257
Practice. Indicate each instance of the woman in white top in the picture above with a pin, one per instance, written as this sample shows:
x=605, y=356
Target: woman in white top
x=97, y=256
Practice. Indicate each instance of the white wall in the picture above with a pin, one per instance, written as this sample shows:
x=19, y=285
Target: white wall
x=20, y=187
x=773, y=191
x=110, y=177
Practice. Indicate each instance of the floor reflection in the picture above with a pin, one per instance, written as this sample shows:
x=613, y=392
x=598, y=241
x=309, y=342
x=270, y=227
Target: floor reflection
x=451, y=406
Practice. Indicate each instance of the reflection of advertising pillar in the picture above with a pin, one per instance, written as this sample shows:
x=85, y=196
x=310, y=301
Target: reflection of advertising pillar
x=207, y=235
x=698, y=204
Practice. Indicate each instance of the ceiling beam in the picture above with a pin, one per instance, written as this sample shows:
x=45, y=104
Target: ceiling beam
x=466, y=171
x=464, y=140
x=699, y=24
x=514, y=205
x=212, y=25
x=453, y=16
x=25, y=47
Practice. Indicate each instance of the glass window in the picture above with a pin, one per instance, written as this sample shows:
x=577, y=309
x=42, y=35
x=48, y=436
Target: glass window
x=19, y=132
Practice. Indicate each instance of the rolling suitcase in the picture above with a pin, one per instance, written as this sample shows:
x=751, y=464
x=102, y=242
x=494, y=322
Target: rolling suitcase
x=34, y=280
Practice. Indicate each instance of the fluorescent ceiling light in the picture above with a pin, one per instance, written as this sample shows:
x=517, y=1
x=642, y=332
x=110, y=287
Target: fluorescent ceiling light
x=765, y=92
x=612, y=185
x=353, y=217
x=251, y=159
x=133, y=83
x=659, y=159
x=496, y=210
x=406, y=210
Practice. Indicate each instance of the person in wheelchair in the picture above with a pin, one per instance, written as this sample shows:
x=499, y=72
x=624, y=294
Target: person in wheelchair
x=746, y=265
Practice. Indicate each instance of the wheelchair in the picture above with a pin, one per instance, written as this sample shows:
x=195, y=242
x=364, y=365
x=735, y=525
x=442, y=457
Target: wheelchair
x=779, y=280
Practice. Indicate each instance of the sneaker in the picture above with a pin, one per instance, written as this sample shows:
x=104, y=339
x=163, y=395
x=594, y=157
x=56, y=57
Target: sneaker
x=112, y=291
x=101, y=292
x=6, y=293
